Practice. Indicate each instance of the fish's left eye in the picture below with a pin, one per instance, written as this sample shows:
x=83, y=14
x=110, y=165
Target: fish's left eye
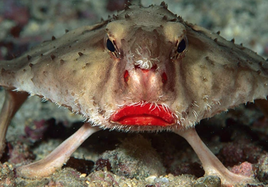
x=110, y=45
x=182, y=46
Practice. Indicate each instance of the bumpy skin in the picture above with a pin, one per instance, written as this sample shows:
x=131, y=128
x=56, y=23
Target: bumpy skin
x=79, y=72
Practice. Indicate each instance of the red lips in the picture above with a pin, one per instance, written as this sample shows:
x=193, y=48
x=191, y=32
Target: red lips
x=144, y=115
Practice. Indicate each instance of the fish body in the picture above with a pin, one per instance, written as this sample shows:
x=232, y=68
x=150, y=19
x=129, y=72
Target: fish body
x=79, y=72
x=144, y=69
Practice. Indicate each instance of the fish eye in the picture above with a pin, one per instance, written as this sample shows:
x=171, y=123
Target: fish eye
x=181, y=47
x=110, y=45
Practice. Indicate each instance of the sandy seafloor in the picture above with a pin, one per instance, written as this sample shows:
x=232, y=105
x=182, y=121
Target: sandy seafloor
x=238, y=138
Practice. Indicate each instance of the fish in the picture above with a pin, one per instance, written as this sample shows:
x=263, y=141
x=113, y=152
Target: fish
x=144, y=69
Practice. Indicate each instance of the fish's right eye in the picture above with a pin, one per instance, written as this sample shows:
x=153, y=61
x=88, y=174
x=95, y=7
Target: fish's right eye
x=182, y=46
x=110, y=45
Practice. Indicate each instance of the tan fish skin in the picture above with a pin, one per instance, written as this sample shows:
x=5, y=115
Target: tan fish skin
x=142, y=65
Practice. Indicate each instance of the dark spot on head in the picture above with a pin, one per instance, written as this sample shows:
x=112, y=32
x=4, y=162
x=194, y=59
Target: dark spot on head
x=31, y=65
x=115, y=17
x=126, y=7
x=94, y=102
x=29, y=57
x=66, y=30
x=80, y=53
x=52, y=57
x=164, y=5
x=70, y=108
x=53, y=38
x=209, y=60
x=101, y=112
x=3, y=70
x=86, y=65
x=61, y=61
x=45, y=73
x=175, y=19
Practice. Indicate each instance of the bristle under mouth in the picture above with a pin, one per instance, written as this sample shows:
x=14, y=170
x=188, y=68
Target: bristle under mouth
x=143, y=115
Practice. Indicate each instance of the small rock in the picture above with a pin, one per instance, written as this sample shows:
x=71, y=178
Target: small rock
x=208, y=181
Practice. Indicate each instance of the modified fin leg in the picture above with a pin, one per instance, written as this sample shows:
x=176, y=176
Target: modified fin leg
x=211, y=164
x=59, y=156
x=13, y=101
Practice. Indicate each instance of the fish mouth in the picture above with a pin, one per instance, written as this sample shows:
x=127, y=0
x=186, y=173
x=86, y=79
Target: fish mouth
x=143, y=115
